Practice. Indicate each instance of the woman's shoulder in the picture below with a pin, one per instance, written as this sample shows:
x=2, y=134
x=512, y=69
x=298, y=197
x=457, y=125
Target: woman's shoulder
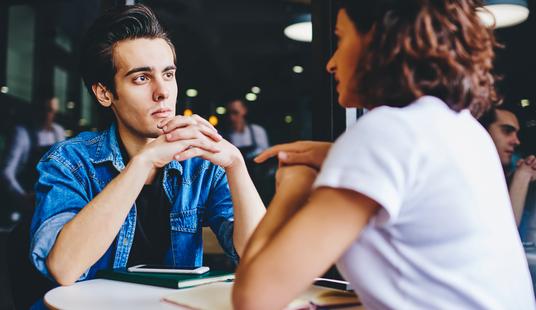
x=412, y=119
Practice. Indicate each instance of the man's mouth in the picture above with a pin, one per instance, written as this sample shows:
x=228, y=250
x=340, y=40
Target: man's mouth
x=162, y=113
x=509, y=154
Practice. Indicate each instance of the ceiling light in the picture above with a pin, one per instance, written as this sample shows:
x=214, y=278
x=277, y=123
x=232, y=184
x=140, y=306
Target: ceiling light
x=221, y=110
x=288, y=119
x=503, y=13
x=255, y=90
x=4, y=89
x=213, y=120
x=251, y=97
x=301, y=29
x=188, y=112
x=191, y=92
x=297, y=69
x=525, y=103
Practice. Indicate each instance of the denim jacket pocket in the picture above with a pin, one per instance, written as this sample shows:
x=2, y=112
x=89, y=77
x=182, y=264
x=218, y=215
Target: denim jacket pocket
x=184, y=221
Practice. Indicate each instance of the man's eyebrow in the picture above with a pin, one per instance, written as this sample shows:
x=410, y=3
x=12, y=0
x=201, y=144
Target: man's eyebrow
x=139, y=69
x=169, y=68
x=509, y=127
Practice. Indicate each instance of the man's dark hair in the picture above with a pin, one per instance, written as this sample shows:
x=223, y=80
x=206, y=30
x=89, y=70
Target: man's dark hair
x=118, y=24
x=242, y=102
x=424, y=47
x=490, y=116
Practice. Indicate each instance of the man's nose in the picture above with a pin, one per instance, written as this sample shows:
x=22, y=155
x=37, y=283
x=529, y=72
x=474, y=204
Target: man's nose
x=515, y=140
x=161, y=91
x=330, y=66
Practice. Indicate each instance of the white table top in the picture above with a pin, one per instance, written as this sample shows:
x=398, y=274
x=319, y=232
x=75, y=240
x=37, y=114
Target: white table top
x=106, y=294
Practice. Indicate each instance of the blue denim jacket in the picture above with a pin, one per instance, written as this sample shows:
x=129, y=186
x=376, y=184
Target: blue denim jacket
x=73, y=172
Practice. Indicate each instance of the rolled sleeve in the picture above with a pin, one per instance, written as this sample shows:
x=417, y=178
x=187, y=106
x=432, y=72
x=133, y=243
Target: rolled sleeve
x=60, y=195
x=44, y=239
x=220, y=215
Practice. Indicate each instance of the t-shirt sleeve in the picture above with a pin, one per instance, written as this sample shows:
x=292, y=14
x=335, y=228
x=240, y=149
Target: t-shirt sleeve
x=377, y=158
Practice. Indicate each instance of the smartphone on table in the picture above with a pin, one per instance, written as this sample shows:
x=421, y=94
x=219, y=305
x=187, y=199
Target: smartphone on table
x=168, y=269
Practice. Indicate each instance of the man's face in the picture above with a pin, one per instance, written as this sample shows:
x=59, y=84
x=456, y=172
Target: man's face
x=504, y=134
x=53, y=105
x=145, y=85
x=236, y=111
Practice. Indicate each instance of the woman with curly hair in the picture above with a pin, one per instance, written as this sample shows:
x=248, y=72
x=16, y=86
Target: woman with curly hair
x=410, y=202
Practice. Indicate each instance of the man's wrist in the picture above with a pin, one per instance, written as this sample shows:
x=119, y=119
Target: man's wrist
x=143, y=160
x=522, y=175
x=236, y=165
x=237, y=162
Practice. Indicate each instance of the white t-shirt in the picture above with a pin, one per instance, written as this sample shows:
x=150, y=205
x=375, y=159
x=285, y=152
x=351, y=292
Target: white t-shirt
x=445, y=236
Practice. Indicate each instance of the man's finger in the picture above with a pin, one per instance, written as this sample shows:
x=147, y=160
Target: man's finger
x=178, y=121
x=203, y=121
x=191, y=133
x=210, y=132
x=197, y=143
x=181, y=134
x=189, y=153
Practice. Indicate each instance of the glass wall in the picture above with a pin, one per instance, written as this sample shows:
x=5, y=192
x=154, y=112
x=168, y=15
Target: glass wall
x=20, y=51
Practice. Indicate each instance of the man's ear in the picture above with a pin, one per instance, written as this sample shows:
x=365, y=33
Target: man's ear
x=104, y=96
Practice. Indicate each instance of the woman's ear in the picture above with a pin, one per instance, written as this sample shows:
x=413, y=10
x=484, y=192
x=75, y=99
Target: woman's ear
x=104, y=96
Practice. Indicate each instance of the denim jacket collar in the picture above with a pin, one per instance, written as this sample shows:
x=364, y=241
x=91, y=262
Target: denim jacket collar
x=108, y=151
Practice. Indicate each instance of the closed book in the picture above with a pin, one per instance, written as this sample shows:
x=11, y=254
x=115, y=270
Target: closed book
x=165, y=279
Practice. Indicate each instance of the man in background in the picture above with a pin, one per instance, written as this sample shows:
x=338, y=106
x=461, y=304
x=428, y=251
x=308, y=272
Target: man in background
x=503, y=127
x=250, y=139
x=25, y=147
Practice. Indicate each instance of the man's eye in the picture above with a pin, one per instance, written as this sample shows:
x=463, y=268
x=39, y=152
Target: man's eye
x=141, y=79
x=169, y=75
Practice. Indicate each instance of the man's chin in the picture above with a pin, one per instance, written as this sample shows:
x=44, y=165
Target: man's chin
x=153, y=134
x=506, y=161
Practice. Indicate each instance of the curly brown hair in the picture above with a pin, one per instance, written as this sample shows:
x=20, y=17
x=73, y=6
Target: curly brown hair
x=424, y=47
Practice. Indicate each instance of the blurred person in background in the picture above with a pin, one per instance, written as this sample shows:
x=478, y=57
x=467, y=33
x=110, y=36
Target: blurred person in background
x=25, y=147
x=251, y=139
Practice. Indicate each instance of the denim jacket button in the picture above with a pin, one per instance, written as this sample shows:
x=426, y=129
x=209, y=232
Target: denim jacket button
x=125, y=242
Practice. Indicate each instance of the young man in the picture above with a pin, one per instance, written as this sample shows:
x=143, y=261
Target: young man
x=503, y=127
x=140, y=191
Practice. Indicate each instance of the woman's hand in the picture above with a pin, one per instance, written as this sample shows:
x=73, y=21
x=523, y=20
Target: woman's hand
x=294, y=183
x=309, y=153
